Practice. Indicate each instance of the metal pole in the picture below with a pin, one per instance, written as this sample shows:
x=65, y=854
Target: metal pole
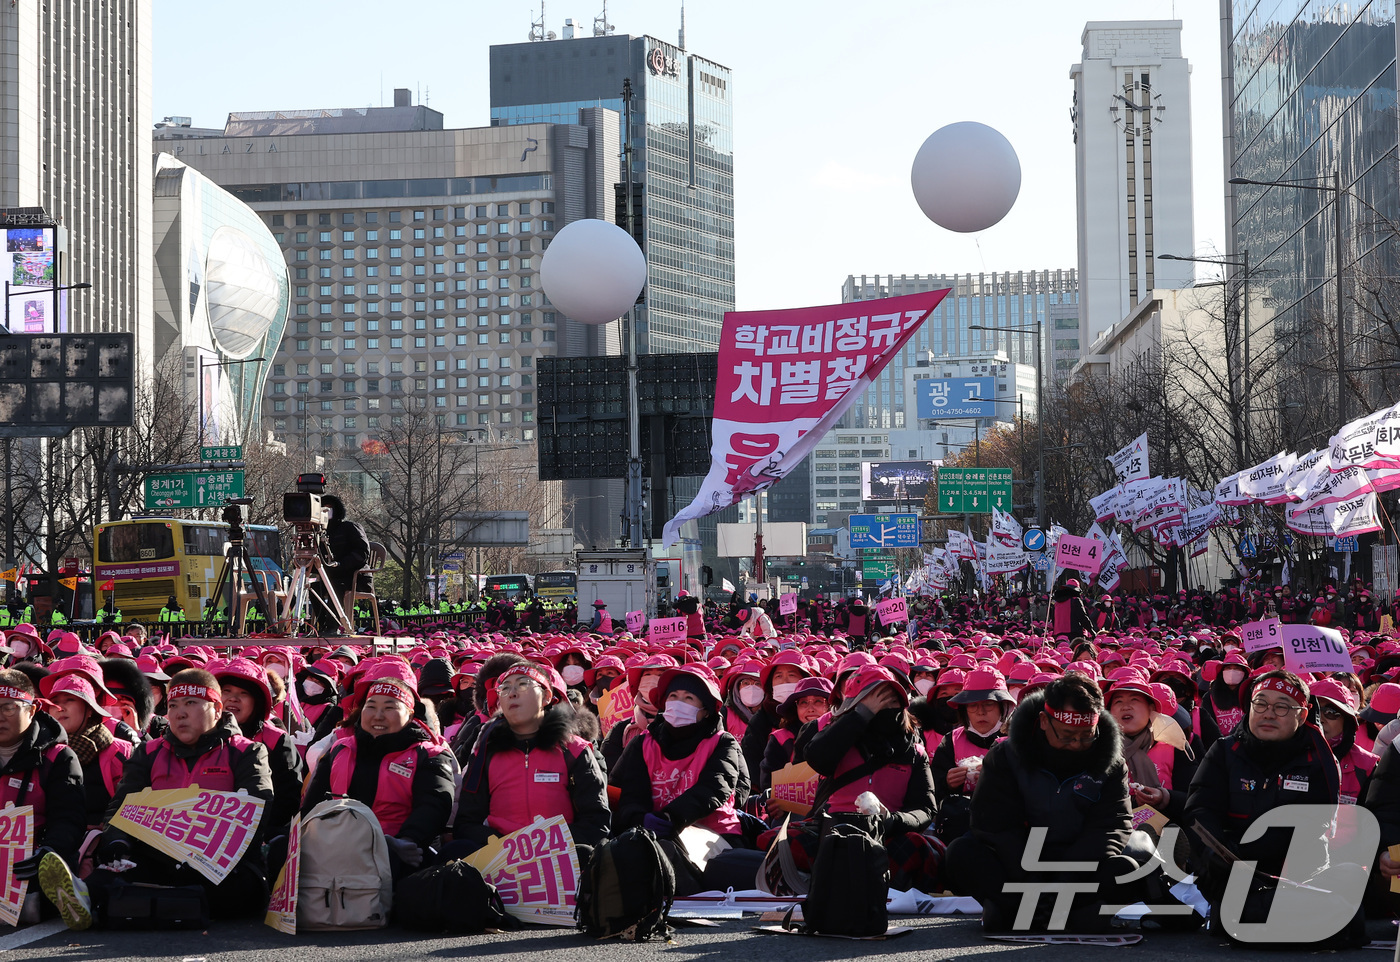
x=1341, y=327
x=1040, y=427
x=634, y=420
x=10, y=586
x=1244, y=402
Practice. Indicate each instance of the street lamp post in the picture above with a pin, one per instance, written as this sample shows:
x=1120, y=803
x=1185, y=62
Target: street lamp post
x=44, y=290
x=1038, y=331
x=1242, y=262
x=1335, y=189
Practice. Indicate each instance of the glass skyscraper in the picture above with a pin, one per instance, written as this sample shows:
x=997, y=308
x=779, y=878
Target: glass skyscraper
x=682, y=160
x=1311, y=90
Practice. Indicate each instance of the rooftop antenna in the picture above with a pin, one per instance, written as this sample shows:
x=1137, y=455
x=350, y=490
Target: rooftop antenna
x=537, y=26
x=601, y=27
x=682, y=33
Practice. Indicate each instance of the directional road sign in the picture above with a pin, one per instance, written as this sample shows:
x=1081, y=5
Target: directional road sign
x=973, y=490
x=223, y=452
x=192, y=489
x=884, y=530
x=1033, y=539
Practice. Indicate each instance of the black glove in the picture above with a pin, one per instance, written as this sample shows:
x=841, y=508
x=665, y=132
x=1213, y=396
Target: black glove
x=658, y=825
x=408, y=852
x=29, y=868
x=113, y=850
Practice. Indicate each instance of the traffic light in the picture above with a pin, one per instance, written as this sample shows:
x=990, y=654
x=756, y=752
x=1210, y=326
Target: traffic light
x=707, y=575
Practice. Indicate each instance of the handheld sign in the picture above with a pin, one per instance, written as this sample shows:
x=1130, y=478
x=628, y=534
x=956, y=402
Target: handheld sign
x=282, y=906
x=892, y=610
x=634, y=621
x=535, y=869
x=614, y=706
x=1081, y=554
x=16, y=845
x=795, y=788
x=787, y=604
x=208, y=830
x=666, y=629
x=1259, y=635
x=1309, y=648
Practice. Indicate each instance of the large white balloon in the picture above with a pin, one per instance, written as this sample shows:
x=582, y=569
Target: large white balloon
x=966, y=177
x=593, y=271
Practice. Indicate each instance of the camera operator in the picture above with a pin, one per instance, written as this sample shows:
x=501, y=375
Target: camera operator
x=349, y=547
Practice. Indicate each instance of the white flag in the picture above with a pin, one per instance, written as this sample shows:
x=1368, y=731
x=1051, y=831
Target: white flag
x=1130, y=462
x=1355, y=516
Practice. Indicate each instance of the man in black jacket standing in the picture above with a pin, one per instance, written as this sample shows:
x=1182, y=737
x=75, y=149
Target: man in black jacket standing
x=1055, y=790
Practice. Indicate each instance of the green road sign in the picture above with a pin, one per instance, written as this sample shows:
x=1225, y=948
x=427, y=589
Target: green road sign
x=877, y=569
x=192, y=489
x=225, y=452
x=973, y=490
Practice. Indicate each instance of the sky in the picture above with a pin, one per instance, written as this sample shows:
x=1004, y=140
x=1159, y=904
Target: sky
x=831, y=103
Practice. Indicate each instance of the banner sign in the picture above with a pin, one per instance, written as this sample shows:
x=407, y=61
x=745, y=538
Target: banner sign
x=666, y=629
x=1369, y=442
x=892, y=611
x=1266, y=482
x=634, y=622
x=282, y=906
x=787, y=604
x=615, y=705
x=1309, y=648
x=208, y=830
x=955, y=397
x=16, y=845
x=1003, y=559
x=1259, y=635
x=795, y=788
x=785, y=378
x=1081, y=554
x=1130, y=462
x=535, y=869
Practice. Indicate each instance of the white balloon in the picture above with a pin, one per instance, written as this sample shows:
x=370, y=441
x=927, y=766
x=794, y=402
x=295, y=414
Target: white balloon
x=966, y=177
x=593, y=271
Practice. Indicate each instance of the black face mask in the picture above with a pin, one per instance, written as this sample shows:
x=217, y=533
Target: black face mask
x=944, y=713
x=888, y=721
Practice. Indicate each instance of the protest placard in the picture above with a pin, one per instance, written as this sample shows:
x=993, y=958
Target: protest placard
x=1310, y=648
x=1259, y=635
x=795, y=788
x=892, y=611
x=666, y=629
x=282, y=906
x=535, y=869
x=16, y=845
x=210, y=831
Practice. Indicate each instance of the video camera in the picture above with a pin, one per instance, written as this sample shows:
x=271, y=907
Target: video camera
x=236, y=513
x=302, y=508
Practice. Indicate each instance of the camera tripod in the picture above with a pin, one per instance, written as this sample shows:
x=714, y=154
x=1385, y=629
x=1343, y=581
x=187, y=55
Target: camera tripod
x=236, y=566
x=306, y=565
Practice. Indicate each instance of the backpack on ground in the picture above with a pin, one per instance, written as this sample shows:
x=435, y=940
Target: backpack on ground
x=627, y=889
x=850, y=885
x=346, y=881
x=449, y=898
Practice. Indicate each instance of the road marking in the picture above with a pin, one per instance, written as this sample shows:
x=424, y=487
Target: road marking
x=32, y=934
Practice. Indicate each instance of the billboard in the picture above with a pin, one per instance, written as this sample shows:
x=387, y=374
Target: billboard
x=891, y=481
x=63, y=381
x=30, y=251
x=947, y=397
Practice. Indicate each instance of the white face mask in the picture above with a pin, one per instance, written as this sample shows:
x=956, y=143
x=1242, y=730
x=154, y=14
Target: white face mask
x=924, y=685
x=1232, y=676
x=572, y=674
x=312, y=688
x=751, y=696
x=21, y=648
x=678, y=714
x=781, y=692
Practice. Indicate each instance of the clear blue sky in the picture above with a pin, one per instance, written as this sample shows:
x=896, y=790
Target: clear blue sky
x=831, y=103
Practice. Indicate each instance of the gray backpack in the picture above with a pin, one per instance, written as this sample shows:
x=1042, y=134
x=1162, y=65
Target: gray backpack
x=345, y=880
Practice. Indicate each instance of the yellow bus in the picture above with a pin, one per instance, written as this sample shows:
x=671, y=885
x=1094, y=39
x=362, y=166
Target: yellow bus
x=150, y=559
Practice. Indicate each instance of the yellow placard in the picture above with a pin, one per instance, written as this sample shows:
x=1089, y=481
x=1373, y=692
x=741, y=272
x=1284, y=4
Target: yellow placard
x=1149, y=816
x=208, y=830
x=70, y=583
x=282, y=906
x=9, y=575
x=1394, y=851
x=1387, y=626
x=535, y=869
x=795, y=788
x=615, y=705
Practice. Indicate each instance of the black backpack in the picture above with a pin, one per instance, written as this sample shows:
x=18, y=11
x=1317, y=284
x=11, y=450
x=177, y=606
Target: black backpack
x=627, y=889
x=449, y=898
x=850, y=884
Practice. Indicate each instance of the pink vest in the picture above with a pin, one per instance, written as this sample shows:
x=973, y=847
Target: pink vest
x=110, y=762
x=604, y=623
x=695, y=625
x=932, y=739
x=393, y=794
x=526, y=785
x=963, y=748
x=857, y=628
x=1163, y=757
x=735, y=725
x=670, y=778
x=1225, y=718
x=27, y=788
x=1364, y=739
x=888, y=782
x=1356, y=762
x=213, y=770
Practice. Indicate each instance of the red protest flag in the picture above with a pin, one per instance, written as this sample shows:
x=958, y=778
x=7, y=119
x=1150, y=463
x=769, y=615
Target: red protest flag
x=109, y=585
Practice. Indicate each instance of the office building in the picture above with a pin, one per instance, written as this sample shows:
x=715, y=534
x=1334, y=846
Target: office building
x=1310, y=90
x=682, y=162
x=75, y=115
x=1132, y=136
x=220, y=299
x=414, y=253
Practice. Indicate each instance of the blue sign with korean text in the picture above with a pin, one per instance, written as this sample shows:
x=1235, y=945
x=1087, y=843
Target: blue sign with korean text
x=955, y=397
x=884, y=530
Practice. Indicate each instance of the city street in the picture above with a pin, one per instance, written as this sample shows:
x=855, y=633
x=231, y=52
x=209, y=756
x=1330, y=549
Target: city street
x=931, y=938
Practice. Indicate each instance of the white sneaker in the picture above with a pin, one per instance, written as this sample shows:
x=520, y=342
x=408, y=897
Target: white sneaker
x=68, y=893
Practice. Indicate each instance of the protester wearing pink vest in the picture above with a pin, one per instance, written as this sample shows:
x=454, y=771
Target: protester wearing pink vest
x=73, y=703
x=1158, y=753
x=982, y=706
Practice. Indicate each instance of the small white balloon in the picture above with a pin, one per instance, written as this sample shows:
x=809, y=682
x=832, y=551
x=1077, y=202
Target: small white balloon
x=593, y=271
x=966, y=177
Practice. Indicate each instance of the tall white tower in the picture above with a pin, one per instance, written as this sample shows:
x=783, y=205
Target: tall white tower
x=75, y=139
x=1132, y=132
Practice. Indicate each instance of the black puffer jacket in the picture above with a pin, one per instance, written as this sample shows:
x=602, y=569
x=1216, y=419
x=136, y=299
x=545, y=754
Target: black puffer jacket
x=755, y=741
x=1086, y=810
x=1383, y=795
x=724, y=774
x=65, y=804
x=288, y=773
x=825, y=749
x=588, y=787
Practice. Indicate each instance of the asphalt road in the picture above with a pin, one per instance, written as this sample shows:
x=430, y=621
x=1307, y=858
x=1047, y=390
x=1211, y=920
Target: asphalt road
x=932, y=938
